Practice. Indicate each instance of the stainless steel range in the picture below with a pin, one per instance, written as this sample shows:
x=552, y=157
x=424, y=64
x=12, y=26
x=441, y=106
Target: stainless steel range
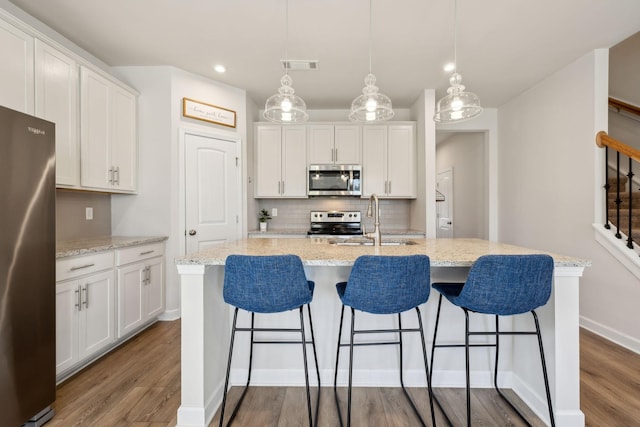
x=335, y=223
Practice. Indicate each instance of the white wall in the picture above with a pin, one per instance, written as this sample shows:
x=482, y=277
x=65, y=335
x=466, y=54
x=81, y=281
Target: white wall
x=548, y=187
x=465, y=152
x=156, y=210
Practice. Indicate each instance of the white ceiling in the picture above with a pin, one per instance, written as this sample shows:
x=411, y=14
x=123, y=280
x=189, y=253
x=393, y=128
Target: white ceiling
x=504, y=46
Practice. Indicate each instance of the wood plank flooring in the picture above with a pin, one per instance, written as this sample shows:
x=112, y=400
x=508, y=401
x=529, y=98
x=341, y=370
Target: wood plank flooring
x=138, y=385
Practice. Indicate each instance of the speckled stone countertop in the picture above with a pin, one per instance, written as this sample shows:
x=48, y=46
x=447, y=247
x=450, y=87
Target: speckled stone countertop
x=303, y=233
x=319, y=252
x=99, y=244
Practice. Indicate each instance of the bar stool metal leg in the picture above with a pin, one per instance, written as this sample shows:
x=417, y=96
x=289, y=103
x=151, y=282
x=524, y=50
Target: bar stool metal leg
x=315, y=357
x=335, y=372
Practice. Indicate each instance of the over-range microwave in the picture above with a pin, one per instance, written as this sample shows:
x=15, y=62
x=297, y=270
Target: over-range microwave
x=334, y=180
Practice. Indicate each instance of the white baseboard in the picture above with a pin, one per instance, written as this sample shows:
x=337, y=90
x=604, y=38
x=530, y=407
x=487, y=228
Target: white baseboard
x=170, y=315
x=610, y=334
x=367, y=378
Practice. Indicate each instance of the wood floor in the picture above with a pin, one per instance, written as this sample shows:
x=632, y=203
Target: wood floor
x=139, y=385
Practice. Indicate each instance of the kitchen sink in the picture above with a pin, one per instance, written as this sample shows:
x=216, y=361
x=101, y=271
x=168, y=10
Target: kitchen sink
x=363, y=241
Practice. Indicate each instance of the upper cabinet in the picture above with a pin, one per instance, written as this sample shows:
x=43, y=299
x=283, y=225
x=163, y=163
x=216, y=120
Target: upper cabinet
x=334, y=144
x=94, y=114
x=108, y=142
x=16, y=71
x=281, y=168
x=388, y=161
x=56, y=88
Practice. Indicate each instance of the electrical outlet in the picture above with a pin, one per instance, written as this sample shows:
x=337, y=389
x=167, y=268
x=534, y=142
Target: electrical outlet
x=88, y=213
x=274, y=211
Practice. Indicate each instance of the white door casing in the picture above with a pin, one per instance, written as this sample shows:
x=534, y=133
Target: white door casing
x=444, y=210
x=212, y=190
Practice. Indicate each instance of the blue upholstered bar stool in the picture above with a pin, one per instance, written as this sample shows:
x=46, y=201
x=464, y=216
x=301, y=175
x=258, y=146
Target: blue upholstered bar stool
x=384, y=285
x=502, y=285
x=268, y=284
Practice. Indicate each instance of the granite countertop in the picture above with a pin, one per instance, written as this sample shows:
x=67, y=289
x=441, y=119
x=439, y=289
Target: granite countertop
x=319, y=252
x=300, y=232
x=99, y=244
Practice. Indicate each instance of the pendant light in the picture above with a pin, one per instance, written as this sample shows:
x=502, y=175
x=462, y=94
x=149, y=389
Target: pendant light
x=286, y=107
x=458, y=105
x=371, y=106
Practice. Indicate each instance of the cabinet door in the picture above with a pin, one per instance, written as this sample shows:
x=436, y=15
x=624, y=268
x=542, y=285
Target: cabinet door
x=16, y=69
x=67, y=303
x=154, y=288
x=268, y=161
x=374, y=160
x=56, y=77
x=321, y=144
x=347, y=144
x=401, y=176
x=130, y=298
x=95, y=148
x=97, y=313
x=294, y=161
x=124, y=146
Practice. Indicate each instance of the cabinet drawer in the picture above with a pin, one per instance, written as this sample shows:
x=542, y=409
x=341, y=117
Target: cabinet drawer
x=138, y=253
x=69, y=268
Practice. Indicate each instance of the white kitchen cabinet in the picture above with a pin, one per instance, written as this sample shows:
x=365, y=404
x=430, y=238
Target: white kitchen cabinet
x=334, y=144
x=56, y=98
x=281, y=161
x=140, y=286
x=388, y=161
x=16, y=69
x=108, y=135
x=85, y=310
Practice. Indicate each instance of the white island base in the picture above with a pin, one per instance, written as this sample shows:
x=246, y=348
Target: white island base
x=206, y=325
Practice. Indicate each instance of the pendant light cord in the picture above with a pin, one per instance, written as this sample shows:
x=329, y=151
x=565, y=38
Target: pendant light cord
x=370, y=33
x=286, y=37
x=455, y=36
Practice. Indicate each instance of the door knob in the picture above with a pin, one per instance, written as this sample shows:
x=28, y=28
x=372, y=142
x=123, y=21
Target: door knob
x=192, y=232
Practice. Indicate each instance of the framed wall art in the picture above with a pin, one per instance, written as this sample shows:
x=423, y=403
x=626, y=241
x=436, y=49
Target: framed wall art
x=208, y=112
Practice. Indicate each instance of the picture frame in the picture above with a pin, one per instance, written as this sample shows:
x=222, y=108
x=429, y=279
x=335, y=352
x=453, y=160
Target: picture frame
x=208, y=112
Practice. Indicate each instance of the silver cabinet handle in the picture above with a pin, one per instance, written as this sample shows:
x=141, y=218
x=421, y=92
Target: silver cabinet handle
x=86, y=296
x=116, y=176
x=111, y=175
x=336, y=150
x=78, y=302
x=389, y=192
x=149, y=252
x=283, y=188
x=80, y=267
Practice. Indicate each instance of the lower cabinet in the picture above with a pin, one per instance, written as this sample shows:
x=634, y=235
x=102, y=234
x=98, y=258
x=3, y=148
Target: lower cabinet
x=140, y=286
x=85, y=314
x=103, y=297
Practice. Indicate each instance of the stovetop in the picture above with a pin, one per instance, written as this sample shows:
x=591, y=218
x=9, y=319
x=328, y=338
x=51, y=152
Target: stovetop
x=335, y=223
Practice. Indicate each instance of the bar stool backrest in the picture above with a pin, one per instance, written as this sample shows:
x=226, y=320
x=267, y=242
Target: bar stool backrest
x=507, y=284
x=388, y=284
x=266, y=284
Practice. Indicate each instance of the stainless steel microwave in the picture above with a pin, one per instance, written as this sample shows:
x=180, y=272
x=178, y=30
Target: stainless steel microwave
x=334, y=180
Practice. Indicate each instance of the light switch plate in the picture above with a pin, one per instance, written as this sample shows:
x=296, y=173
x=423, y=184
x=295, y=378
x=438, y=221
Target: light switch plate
x=88, y=213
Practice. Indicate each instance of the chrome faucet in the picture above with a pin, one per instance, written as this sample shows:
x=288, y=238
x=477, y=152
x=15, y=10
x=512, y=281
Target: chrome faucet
x=375, y=234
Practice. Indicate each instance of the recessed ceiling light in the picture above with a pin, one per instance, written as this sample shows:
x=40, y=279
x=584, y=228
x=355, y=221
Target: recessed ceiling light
x=219, y=68
x=450, y=67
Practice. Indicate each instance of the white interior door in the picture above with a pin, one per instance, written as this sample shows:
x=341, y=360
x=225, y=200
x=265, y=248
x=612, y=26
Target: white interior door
x=444, y=209
x=212, y=191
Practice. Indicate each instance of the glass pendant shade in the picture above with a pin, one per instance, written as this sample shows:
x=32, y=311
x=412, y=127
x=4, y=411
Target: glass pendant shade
x=285, y=106
x=371, y=106
x=458, y=105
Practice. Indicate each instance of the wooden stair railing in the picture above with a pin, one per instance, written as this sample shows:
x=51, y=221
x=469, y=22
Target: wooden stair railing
x=605, y=141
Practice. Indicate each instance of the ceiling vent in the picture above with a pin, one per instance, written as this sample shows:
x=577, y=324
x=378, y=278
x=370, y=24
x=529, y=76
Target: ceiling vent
x=299, y=64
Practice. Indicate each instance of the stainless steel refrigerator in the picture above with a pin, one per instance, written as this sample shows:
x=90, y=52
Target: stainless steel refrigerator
x=27, y=269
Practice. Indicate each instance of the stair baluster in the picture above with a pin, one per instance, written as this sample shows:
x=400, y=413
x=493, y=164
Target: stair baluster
x=630, y=181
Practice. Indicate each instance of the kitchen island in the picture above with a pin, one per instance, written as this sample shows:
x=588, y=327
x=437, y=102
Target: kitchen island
x=206, y=328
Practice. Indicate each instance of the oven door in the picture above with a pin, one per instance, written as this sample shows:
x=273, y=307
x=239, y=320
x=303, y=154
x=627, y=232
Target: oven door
x=329, y=180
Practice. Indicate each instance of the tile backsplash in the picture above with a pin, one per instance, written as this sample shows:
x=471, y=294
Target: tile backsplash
x=71, y=222
x=293, y=214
